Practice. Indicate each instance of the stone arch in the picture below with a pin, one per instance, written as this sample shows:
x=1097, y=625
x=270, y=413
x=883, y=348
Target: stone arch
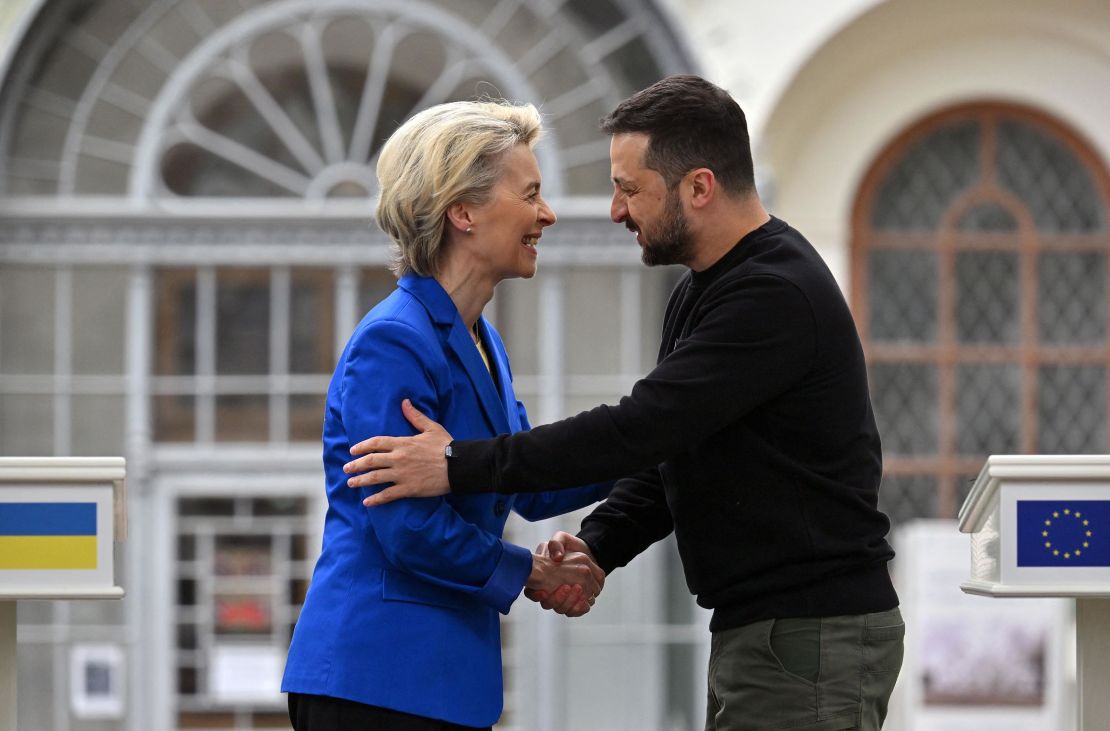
x=899, y=62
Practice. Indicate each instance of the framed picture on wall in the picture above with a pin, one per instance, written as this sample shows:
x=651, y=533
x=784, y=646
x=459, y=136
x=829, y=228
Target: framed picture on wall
x=97, y=681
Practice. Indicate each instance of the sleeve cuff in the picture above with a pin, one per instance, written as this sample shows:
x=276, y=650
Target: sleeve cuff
x=508, y=577
x=595, y=539
x=468, y=468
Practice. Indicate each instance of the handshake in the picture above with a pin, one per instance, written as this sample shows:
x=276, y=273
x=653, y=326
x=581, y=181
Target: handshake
x=565, y=578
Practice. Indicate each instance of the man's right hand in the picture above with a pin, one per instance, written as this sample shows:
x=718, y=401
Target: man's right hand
x=566, y=599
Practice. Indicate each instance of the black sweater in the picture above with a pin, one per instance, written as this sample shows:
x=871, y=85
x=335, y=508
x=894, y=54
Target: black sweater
x=753, y=439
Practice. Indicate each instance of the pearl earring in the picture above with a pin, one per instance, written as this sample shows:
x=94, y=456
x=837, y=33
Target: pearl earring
x=469, y=229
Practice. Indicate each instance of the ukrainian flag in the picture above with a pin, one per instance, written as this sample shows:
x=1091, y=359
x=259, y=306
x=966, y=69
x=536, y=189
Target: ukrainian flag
x=39, y=536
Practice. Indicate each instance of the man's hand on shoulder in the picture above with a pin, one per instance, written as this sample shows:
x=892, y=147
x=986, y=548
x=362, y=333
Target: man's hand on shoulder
x=415, y=465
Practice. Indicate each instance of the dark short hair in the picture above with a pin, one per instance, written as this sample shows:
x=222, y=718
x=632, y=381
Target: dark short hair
x=690, y=123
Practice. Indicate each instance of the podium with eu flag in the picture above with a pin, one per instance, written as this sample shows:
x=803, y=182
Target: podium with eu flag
x=1040, y=527
x=60, y=518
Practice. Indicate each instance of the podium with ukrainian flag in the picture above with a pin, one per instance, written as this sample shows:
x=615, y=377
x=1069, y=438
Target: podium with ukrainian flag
x=1040, y=527
x=60, y=518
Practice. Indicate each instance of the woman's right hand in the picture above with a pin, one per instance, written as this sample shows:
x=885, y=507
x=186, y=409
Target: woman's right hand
x=574, y=578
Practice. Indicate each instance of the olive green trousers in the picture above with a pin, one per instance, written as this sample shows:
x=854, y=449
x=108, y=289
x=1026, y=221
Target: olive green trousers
x=808, y=674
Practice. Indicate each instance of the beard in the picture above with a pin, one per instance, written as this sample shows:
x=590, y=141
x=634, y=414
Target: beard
x=669, y=241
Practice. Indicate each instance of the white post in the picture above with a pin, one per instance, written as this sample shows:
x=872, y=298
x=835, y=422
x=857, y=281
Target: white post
x=548, y=714
x=7, y=666
x=1092, y=625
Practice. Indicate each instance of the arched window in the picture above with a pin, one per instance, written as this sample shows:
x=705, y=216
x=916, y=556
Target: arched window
x=980, y=265
x=291, y=98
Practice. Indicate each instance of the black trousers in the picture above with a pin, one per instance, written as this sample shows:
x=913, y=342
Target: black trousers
x=324, y=713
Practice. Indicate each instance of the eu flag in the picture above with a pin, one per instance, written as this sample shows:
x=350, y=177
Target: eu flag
x=1063, y=533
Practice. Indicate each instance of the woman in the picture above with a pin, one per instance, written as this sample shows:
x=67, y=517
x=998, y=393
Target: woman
x=400, y=628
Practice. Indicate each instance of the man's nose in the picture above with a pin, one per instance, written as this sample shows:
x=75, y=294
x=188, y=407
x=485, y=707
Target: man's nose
x=617, y=209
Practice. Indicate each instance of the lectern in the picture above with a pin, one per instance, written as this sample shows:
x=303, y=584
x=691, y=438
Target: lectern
x=59, y=519
x=1040, y=526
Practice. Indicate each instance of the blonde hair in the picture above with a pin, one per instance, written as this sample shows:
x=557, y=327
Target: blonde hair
x=450, y=153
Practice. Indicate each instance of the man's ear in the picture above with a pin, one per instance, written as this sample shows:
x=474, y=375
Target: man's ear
x=459, y=216
x=702, y=185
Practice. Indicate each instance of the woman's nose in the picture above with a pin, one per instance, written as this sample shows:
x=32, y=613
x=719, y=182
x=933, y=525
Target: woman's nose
x=547, y=214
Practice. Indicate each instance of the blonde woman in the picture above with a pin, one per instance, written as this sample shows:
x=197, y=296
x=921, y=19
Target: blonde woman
x=400, y=628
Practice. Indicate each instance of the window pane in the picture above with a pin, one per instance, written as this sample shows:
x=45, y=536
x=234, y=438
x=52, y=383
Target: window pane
x=517, y=306
x=297, y=591
x=191, y=170
x=186, y=633
x=311, y=322
x=919, y=188
x=903, y=287
x=988, y=218
x=905, y=400
x=351, y=47
x=174, y=418
x=596, y=16
x=37, y=700
x=634, y=59
x=37, y=612
x=656, y=285
x=592, y=328
x=1046, y=175
x=1071, y=298
x=175, y=336
x=576, y=404
x=204, y=507
x=99, y=320
x=222, y=106
x=1072, y=410
x=96, y=613
x=243, y=321
x=279, y=506
x=26, y=425
x=306, y=417
x=26, y=320
x=66, y=70
x=186, y=547
x=375, y=286
x=242, y=418
x=988, y=309
x=988, y=406
x=98, y=425
x=186, y=685
x=243, y=555
x=907, y=497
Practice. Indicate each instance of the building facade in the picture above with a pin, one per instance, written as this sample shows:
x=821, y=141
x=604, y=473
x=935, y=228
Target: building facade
x=186, y=241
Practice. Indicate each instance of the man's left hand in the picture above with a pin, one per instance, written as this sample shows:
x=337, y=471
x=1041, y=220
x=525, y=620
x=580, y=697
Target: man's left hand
x=415, y=465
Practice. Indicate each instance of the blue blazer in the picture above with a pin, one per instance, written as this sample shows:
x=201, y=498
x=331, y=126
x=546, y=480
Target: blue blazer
x=402, y=611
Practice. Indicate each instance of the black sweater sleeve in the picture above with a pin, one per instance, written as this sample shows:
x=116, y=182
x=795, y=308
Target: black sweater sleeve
x=633, y=517
x=751, y=338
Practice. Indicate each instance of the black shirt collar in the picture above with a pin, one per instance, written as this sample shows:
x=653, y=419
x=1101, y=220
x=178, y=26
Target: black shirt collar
x=738, y=253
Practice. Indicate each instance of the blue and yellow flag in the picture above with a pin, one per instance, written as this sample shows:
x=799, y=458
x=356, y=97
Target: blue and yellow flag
x=1063, y=533
x=47, y=536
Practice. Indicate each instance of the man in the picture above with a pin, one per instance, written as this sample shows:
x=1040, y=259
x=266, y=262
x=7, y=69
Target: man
x=753, y=438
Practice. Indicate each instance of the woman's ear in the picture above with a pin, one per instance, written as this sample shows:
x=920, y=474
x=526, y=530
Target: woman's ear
x=459, y=217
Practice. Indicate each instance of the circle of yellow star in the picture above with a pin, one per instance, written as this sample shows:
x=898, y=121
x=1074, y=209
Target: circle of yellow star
x=1048, y=544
